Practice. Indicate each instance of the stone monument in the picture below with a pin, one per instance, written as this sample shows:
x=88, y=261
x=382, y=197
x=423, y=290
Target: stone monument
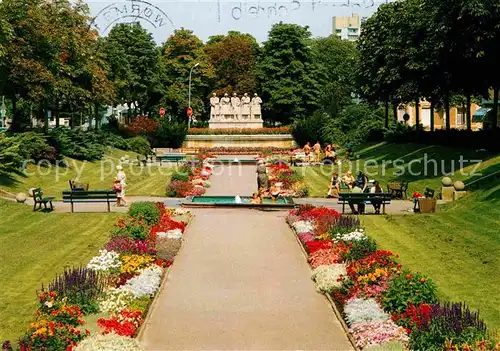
x=233, y=112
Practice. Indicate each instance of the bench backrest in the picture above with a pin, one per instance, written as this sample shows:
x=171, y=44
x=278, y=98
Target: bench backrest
x=365, y=196
x=429, y=193
x=89, y=195
x=37, y=194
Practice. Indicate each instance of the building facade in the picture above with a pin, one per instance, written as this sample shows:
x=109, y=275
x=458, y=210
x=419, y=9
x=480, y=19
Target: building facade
x=347, y=27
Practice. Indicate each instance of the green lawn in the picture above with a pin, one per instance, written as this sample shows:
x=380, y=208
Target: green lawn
x=417, y=158
x=34, y=247
x=458, y=247
x=146, y=181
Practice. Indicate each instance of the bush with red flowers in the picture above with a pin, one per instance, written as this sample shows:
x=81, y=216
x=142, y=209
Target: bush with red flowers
x=125, y=323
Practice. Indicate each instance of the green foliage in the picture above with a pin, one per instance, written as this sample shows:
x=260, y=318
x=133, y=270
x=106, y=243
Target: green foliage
x=148, y=211
x=170, y=134
x=408, y=288
x=140, y=145
x=288, y=73
x=10, y=159
x=355, y=123
x=310, y=129
x=136, y=229
x=183, y=177
x=361, y=248
x=132, y=55
x=77, y=144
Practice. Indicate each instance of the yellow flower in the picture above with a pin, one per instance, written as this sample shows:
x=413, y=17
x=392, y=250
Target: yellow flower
x=132, y=263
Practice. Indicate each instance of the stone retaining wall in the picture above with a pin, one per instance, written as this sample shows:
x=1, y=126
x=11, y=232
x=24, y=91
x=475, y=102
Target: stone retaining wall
x=238, y=141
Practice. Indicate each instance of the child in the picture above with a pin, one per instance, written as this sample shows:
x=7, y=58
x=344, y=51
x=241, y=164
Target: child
x=117, y=188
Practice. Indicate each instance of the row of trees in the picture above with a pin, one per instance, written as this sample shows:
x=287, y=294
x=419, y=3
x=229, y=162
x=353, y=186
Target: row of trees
x=436, y=50
x=51, y=59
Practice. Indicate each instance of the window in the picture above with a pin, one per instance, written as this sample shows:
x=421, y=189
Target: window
x=338, y=30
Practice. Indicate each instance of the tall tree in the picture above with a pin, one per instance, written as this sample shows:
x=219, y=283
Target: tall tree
x=179, y=55
x=288, y=73
x=132, y=55
x=234, y=58
x=335, y=59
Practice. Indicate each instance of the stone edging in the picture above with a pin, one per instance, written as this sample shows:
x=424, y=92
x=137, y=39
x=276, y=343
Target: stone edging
x=163, y=284
x=328, y=297
x=239, y=137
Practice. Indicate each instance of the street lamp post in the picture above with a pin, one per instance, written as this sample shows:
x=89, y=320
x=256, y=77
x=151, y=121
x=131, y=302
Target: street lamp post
x=189, y=92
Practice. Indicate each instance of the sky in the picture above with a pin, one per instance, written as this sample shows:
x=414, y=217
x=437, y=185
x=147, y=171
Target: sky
x=212, y=17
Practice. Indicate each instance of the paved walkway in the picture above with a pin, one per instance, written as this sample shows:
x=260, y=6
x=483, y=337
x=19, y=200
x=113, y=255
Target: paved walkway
x=241, y=282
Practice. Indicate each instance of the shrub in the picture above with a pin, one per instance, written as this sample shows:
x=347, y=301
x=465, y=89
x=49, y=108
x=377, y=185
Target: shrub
x=149, y=211
x=136, y=229
x=310, y=129
x=80, y=286
x=143, y=126
x=432, y=326
x=170, y=134
x=183, y=177
x=34, y=146
x=77, y=144
x=407, y=289
x=177, y=188
x=140, y=145
x=361, y=248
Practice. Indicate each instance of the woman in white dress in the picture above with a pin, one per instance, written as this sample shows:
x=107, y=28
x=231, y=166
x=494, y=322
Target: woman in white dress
x=123, y=181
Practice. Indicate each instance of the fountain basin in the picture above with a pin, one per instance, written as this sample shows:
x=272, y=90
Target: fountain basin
x=230, y=201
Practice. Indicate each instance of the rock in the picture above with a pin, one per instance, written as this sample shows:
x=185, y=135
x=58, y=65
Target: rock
x=30, y=191
x=21, y=198
x=459, y=185
x=446, y=181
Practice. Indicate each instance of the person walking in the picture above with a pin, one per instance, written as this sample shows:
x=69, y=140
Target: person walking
x=122, y=178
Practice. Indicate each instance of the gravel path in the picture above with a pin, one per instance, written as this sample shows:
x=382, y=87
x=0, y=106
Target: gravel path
x=241, y=282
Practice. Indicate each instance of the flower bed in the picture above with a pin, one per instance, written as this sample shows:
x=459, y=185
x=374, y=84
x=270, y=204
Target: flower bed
x=380, y=300
x=192, y=178
x=118, y=283
x=236, y=131
x=293, y=183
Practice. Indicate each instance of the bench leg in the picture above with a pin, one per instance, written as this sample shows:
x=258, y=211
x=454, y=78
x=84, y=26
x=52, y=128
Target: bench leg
x=51, y=206
x=383, y=208
x=72, y=208
x=34, y=206
x=109, y=206
x=343, y=208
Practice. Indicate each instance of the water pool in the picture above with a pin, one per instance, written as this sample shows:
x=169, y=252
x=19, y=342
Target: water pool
x=230, y=201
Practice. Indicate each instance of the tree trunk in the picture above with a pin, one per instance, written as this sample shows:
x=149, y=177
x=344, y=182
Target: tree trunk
x=14, y=126
x=45, y=121
x=96, y=113
x=56, y=112
x=494, y=119
x=468, y=114
x=447, y=111
x=387, y=114
x=432, y=115
x=417, y=114
x=395, y=112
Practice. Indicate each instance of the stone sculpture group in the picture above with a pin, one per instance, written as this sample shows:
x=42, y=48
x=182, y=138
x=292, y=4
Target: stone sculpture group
x=235, y=109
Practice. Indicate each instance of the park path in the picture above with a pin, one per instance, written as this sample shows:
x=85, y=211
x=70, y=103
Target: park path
x=240, y=282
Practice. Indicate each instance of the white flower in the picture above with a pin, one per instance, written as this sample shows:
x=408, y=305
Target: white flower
x=303, y=226
x=364, y=310
x=105, y=261
x=171, y=234
x=327, y=276
x=352, y=236
x=108, y=342
x=115, y=300
x=146, y=283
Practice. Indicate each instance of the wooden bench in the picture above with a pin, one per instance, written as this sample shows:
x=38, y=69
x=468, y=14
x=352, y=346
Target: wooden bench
x=171, y=158
x=81, y=196
x=398, y=189
x=39, y=199
x=365, y=198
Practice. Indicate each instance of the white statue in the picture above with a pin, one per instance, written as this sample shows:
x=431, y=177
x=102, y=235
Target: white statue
x=225, y=107
x=255, y=107
x=236, y=103
x=214, y=107
x=245, y=106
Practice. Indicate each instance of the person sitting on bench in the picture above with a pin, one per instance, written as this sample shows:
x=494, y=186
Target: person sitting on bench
x=348, y=180
x=374, y=190
x=256, y=199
